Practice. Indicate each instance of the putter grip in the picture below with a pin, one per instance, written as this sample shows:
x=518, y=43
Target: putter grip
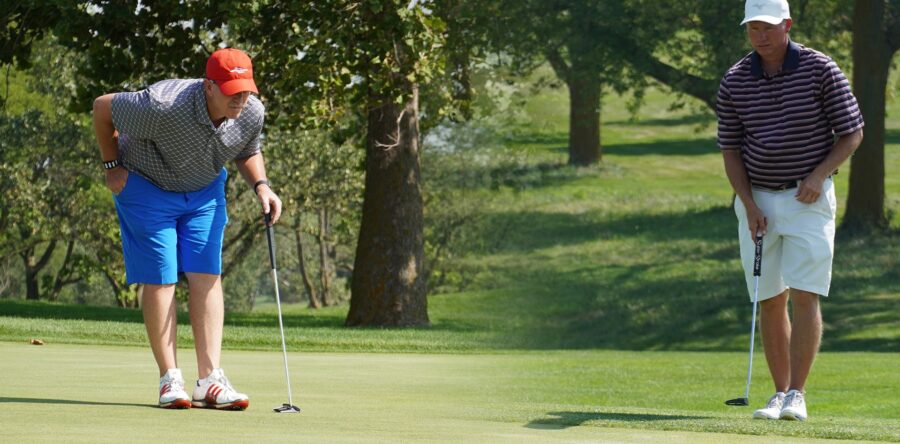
x=757, y=259
x=270, y=236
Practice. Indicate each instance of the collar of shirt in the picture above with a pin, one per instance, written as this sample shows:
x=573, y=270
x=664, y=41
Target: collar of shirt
x=790, y=63
x=202, y=114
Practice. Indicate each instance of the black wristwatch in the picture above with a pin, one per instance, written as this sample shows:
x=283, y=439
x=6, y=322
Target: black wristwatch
x=111, y=164
x=258, y=183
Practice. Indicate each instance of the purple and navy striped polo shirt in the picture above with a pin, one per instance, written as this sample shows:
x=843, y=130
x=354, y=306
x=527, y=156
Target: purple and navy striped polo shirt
x=785, y=124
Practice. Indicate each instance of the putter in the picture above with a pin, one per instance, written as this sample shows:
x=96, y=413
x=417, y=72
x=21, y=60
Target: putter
x=270, y=236
x=757, y=266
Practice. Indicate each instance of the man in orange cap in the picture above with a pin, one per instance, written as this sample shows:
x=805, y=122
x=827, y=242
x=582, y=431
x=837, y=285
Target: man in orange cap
x=164, y=149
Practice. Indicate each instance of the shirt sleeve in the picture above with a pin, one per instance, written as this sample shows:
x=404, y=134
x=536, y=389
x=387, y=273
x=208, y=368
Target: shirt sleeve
x=838, y=101
x=731, y=129
x=134, y=115
x=253, y=146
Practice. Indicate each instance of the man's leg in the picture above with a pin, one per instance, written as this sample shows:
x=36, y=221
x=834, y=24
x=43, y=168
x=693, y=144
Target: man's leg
x=806, y=335
x=160, y=320
x=775, y=328
x=207, y=311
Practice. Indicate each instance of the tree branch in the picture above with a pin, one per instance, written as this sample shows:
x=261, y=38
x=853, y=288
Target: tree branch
x=892, y=26
x=678, y=80
x=559, y=64
x=46, y=256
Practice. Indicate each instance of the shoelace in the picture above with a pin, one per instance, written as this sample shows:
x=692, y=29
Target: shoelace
x=794, y=399
x=223, y=380
x=175, y=385
x=773, y=402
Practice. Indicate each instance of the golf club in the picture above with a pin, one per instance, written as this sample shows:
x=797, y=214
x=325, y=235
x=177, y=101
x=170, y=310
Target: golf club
x=757, y=266
x=270, y=236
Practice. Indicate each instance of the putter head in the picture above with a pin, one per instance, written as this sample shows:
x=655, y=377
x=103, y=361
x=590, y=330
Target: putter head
x=287, y=408
x=735, y=402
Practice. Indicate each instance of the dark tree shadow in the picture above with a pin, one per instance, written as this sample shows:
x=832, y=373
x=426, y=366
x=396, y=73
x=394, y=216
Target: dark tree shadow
x=562, y=420
x=69, y=402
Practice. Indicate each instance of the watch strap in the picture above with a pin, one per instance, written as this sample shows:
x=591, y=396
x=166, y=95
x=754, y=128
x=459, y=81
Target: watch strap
x=258, y=183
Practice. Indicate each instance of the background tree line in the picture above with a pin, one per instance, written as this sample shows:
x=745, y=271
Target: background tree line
x=351, y=87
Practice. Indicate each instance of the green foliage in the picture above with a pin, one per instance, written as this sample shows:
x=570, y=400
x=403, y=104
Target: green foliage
x=326, y=61
x=129, y=47
x=319, y=179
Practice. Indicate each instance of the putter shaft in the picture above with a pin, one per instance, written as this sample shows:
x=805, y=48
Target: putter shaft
x=270, y=236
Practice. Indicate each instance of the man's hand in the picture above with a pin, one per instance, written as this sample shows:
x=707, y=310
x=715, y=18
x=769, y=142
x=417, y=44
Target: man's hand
x=757, y=221
x=270, y=202
x=810, y=189
x=116, y=179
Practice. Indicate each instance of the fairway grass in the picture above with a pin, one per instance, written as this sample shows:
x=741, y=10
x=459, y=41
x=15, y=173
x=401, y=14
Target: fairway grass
x=93, y=394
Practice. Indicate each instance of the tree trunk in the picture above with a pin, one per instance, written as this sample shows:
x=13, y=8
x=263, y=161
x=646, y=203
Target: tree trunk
x=871, y=64
x=584, y=122
x=33, y=267
x=62, y=276
x=120, y=289
x=301, y=259
x=584, y=105
x=388, y=286
x=32, y=291
x=325, y=267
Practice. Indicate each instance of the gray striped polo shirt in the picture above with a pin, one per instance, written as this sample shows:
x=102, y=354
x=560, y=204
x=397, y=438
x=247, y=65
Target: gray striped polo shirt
x=785, y=124
x=166, y=135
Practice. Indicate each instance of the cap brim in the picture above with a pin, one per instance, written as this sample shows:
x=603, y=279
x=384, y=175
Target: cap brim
x=237, y=86
x=772, y=20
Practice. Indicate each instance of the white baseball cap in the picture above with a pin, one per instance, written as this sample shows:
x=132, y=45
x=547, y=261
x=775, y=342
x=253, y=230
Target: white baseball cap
x=772, y=12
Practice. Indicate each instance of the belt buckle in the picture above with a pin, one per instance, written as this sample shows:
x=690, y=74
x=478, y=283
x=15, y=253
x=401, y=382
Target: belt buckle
x=786, y=186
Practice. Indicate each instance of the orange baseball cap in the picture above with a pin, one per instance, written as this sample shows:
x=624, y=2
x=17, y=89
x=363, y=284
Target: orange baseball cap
x=232, y=70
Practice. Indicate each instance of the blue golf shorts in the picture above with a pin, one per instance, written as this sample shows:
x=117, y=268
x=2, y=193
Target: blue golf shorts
x=166, y=233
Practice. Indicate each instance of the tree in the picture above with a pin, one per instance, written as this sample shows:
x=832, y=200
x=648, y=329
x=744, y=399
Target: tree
x=42, y=166
x=321, y=182
x=362, y=62
x=582, y=41
x=876, y=38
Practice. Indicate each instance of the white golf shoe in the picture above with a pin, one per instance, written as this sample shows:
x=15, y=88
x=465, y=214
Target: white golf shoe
x=216, y=392
x=171, y=391
x=772, y=410
x=794, y=406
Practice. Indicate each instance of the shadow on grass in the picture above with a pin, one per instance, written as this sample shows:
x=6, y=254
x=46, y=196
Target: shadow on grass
x=307, y=319
x=671, y=282
x=69, y=402
x=563, y=420
x=892, y=136
x=528, y=231
x=687, y=119
x=693, y=147
x=48, y=310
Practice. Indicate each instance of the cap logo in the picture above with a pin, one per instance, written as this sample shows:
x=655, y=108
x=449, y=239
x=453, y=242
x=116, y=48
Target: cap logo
x=239, y=70
x=758, y=5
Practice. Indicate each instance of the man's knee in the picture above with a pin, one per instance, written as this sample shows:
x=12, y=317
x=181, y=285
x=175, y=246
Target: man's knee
x=778, y=302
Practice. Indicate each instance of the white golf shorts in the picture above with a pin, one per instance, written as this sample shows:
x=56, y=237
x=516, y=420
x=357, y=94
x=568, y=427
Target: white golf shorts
x=799, y=243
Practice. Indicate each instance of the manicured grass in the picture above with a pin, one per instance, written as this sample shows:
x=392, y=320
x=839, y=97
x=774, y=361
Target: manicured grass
x=90, y=394
x=603, y=303
x=320, y=330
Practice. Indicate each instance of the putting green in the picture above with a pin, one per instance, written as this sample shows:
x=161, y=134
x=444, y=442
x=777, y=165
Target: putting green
x=73, y=394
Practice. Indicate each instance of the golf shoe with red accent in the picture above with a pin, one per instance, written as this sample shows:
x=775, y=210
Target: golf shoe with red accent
x=171, y=391
x=215, y=392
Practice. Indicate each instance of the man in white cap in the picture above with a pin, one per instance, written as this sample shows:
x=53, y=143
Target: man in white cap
x=787, y=121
